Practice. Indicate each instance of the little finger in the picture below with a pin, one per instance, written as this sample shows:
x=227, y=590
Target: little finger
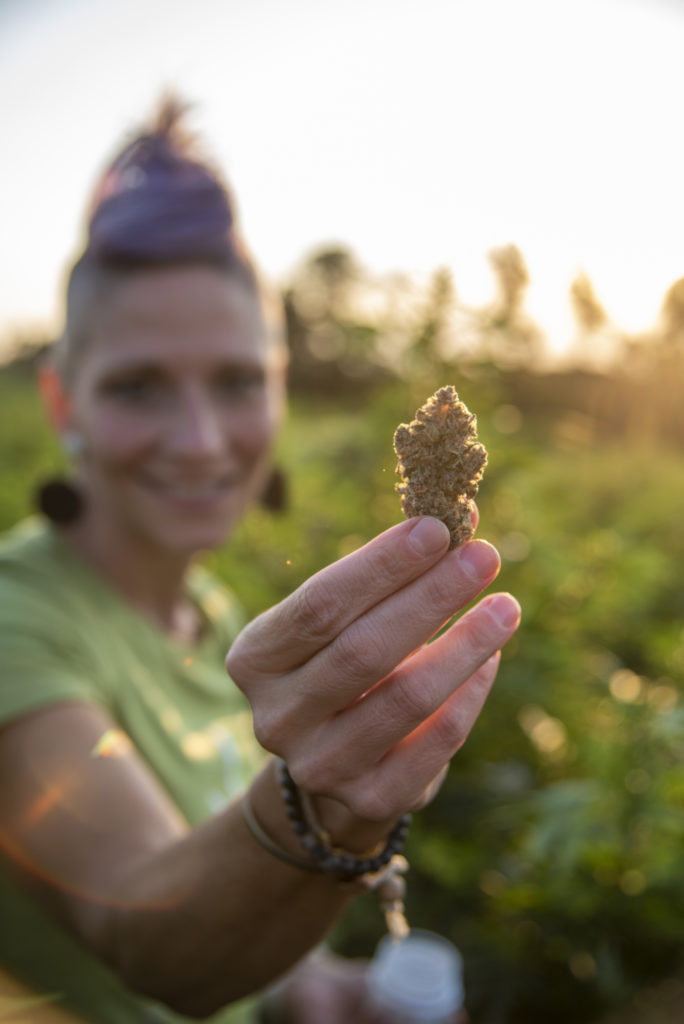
x=420, y=685
x=411, y=774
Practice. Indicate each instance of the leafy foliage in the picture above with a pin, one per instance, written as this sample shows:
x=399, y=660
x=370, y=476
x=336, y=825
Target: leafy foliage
x=551, y=856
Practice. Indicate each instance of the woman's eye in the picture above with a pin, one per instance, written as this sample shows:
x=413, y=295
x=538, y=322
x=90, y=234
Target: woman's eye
x=134, y=390
x=240, y=384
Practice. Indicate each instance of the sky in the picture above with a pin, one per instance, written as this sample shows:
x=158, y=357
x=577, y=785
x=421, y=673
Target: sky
x=420, y=135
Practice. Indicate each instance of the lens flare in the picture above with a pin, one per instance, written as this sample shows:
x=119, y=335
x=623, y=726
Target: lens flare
x=113, y=743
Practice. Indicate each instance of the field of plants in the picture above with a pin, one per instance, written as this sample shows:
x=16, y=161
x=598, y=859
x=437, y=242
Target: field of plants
x=553, y=856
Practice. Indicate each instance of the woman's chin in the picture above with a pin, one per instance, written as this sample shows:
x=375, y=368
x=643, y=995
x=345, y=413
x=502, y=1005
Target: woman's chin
x=189, y=530
x=193, y=539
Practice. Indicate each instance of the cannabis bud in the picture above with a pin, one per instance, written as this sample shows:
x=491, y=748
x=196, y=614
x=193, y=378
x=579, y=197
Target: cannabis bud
x=441, y=463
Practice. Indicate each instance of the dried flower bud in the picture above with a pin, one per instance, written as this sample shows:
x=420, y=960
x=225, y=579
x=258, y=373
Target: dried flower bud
x=440, y=462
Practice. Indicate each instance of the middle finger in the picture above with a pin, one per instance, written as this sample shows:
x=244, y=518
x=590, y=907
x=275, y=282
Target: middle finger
x=373, y=645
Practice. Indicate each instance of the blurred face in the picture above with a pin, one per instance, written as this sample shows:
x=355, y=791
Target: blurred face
x=176, y=399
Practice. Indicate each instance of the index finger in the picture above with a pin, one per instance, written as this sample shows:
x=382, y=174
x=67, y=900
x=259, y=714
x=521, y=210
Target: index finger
x=290, y=633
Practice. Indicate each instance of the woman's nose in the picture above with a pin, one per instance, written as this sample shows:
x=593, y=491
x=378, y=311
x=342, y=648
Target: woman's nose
x=198, y=428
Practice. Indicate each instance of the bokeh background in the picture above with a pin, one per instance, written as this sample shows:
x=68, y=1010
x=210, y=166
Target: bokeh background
x=478, y=192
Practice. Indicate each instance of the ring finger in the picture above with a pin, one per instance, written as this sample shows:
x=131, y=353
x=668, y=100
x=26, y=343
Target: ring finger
x=417, y=688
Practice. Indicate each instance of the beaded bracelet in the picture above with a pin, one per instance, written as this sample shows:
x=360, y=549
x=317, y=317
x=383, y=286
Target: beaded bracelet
x=266, y=841
x=327, y=858
x=381, y=872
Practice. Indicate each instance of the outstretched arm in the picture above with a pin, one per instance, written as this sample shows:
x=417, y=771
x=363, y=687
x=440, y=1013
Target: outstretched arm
x=344, y=688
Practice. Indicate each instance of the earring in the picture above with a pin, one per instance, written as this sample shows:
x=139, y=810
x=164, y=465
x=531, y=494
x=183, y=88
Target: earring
x=276, y=493
x=60, y=501
x=58, y=498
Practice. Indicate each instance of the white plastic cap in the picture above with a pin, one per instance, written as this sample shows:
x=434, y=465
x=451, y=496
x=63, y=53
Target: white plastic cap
x=419, y=978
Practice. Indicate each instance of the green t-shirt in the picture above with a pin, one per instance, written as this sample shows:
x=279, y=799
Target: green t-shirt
x=65, y=635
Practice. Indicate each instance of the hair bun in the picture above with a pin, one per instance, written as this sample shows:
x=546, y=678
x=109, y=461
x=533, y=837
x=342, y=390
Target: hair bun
x=158, y=203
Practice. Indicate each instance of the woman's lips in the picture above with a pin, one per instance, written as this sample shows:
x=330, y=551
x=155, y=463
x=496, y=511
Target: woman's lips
x=191, y=491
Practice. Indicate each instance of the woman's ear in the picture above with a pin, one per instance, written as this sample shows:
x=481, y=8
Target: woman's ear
x=56, y=400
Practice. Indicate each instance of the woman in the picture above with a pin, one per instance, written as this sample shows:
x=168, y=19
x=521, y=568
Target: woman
x=157, y=863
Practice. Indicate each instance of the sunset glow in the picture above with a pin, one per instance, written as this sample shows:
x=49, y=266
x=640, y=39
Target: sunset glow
x=419, y=136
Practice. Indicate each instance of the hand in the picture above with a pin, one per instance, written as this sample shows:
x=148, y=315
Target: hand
x=344, y=685
x=322, y=987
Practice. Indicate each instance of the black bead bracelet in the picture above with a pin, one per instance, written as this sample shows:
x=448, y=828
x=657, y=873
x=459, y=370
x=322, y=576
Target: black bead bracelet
x=325, y=857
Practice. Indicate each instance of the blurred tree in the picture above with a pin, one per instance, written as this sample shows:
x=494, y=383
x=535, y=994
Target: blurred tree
x=428, y=346
x=595, y=344
x=589, y=313
x=332, y=274
x=653, y=365
x=508, y=337
x=672, y=315
x=659, y=351
x=333, y=344
x=512, y=279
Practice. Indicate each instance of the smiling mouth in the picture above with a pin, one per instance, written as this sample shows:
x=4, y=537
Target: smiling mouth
x=191, y=490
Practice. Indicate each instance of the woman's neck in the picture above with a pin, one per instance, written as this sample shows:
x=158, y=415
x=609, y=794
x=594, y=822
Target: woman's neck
x=148, y=578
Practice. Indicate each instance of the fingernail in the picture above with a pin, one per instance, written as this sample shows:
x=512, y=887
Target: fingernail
x=504, y=609
x=429, y=536
x=478, y=560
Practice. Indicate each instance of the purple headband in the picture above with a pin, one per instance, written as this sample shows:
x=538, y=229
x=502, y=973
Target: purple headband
x=154, y=204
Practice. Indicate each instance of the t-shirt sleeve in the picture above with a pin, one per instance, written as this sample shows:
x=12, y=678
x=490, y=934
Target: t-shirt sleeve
x=43, y=659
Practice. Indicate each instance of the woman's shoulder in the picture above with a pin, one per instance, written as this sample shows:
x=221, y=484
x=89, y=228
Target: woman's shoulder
x=28, y=548
x=39, y=575
x=27, y=536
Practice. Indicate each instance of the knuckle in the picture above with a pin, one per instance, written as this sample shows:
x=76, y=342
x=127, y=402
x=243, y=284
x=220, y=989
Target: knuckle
x=427, y=795
x=372, y=804
x=420, y=802
x=479, y=633
x=443, y=594
x=450, y=728
x=313, y=773
x=316, y=613
x=243, y=657
x=413, y=703
x=358, y=653
x=266, y=729
x=236, y=663
x=385, y=570
x=275, y=724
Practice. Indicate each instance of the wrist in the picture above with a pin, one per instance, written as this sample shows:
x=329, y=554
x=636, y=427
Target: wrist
x=267, y=815
x=347, y=829
x=323, y=849
x=380, y=867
